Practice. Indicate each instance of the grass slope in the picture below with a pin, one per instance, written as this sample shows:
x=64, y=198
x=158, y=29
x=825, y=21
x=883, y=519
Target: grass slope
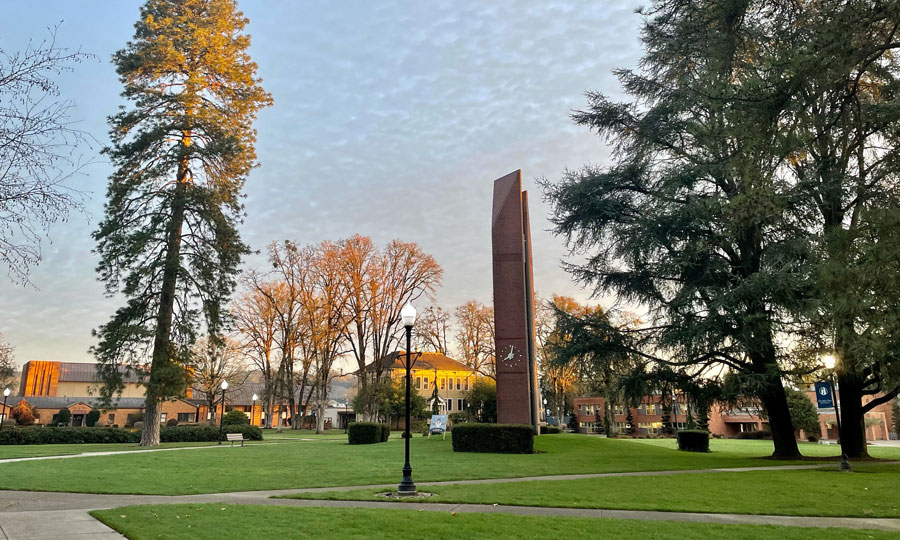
x=213, y=521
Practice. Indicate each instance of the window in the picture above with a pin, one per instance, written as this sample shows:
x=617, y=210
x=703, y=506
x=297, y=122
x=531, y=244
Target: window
x=418, y=382
x=443, y=383
x=449, y=404
x=162, y=418
x=620, y=409
x=110, y=419
x=467, y=383
x=458, y=384
x=651, y=408
x=425, y=383
x=459, y=404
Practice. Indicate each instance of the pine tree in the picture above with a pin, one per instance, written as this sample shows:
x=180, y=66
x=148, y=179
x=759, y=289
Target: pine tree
x=689, y=220
x=168, y=241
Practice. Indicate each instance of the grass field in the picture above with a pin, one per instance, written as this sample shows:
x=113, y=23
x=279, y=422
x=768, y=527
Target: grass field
x=322, y=463
x=39, y=450
x=870, y=491
x=213, y=521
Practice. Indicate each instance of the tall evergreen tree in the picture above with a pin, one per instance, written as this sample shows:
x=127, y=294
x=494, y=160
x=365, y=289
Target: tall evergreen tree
x=689, y=221
x=169, y=241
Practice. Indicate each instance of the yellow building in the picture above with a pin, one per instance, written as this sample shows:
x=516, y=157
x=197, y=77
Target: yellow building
x=452, y=379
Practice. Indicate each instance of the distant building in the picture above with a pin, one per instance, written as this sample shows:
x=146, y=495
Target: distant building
x=452, y=379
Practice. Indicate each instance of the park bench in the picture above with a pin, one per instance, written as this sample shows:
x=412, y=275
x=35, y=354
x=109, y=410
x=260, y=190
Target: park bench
x=235, y=437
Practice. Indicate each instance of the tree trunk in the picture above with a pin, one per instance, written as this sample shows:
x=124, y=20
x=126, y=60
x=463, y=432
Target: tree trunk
x=320, y=417
x=162, y=347
x=783, y=437
x=853, y=419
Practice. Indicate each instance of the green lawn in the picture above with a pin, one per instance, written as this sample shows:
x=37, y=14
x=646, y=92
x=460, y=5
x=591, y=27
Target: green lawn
x=870, y=491
x=215, y=521
x=38, y=450
x=332, y=463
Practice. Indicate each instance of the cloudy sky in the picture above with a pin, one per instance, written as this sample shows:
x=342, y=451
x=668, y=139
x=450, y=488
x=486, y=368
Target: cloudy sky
x=391, y=119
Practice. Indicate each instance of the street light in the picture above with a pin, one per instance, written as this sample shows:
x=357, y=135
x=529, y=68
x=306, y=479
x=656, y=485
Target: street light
x=253, y=407
x=407, y=487
x=830, y=362
x=5, y=413
x=222, y=418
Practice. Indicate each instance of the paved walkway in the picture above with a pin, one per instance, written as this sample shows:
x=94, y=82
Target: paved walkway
x=37, y=515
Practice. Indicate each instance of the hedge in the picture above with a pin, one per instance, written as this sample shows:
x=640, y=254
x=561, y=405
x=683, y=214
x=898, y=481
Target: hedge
x=693, y=440
x=550, y=430
x=98, y=435
x=367, y=433
x=761, y=434
x=493, y=438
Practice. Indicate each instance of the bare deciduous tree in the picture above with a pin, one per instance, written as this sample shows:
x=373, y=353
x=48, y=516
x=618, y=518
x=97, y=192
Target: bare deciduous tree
x=432, y=329
x=38, y=141
x=475, y=336
x=215, y=360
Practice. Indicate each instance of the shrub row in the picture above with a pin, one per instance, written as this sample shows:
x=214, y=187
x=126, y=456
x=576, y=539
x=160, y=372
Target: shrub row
x=493, y=438
x=99, y=435
x=693, y=440
x=762, y=434
x=367, y=432
x=550, y=430
x=67, y=435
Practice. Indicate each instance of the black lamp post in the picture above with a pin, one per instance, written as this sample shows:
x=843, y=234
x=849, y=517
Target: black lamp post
x=407, y=487
x=5, y=410
x=830, y=362
x=222, y=418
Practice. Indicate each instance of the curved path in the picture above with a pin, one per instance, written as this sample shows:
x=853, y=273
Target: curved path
x=40, y=515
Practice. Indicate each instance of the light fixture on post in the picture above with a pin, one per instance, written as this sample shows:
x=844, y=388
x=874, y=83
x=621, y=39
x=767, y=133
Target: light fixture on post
x=222, y=418
x=5, y=410
x=407, y=488
x=253, y=408
x=830, y=362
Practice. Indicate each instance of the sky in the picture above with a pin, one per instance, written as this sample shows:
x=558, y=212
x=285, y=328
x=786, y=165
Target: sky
x=391, y=119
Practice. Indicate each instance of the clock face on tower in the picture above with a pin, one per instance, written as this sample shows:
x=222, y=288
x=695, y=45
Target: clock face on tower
x=512, y=358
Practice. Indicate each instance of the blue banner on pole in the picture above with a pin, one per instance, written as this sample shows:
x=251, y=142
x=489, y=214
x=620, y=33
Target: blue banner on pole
x=824, y=399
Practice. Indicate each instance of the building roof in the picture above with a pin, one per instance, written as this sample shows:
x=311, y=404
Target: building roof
x=87, y=372
x=237, y=394
x=421, y=361
x=58, y=402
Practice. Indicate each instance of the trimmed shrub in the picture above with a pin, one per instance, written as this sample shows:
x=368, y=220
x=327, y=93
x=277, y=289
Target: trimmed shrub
x=458, y=418
x=132, y=418
x=693, y=440
x=550, y=430
x=91, y=419
x=235, y=417
x=171, y=422
x=760, y=434
x=367, y=433
x=67, y=435
x=493, y=438
x=138, y=425
x=64, y=416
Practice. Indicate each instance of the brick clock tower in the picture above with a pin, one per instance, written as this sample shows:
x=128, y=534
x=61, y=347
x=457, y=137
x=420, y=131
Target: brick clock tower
x=517, y=388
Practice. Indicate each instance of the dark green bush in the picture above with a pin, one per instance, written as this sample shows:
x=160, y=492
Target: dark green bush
x=550, y=430
x=67, y=435
x=91, y=419
x=64, y=416
x=171, y=422
x=458, y=418
x=132, y=418
x=693, y=440
x=493, y=438
x=760, y=434
x=235, y=417
x=367, y=433
x=206, y=433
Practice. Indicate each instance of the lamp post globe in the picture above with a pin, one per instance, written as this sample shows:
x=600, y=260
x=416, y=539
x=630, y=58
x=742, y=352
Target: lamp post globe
x=5, y=414
x=222, y=418
x=407, y=487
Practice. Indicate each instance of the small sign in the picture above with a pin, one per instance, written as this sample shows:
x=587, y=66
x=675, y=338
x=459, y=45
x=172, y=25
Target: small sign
x=438, y=423
x=824, y=399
